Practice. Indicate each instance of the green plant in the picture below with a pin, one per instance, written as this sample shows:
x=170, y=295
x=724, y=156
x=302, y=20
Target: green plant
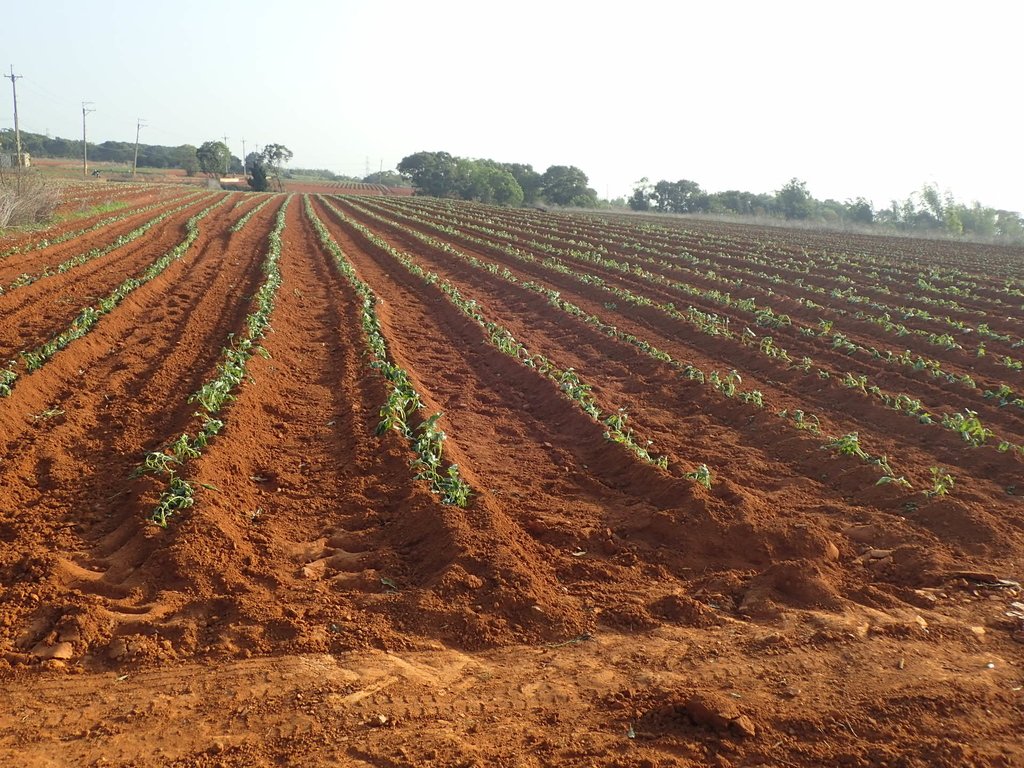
x=178, y=496
x=848, y=445
x=968, y=426
x=942, y=482
x=701, y=475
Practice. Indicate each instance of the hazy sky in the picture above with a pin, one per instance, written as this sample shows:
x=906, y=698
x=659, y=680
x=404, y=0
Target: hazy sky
x=868, y=98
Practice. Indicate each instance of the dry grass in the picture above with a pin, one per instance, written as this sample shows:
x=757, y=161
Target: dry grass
x=33, y=204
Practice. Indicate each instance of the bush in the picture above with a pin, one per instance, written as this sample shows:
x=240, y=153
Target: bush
x=35, y=203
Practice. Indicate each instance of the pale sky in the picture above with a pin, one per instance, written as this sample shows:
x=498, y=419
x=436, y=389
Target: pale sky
x=869, y=98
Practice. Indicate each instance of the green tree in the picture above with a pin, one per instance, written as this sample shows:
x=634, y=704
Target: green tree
x=794, y=201
x=485, y=181
x=432, y=173
x=859, y=211
x=213, y=157
x=256, y=172
x=385, y=178
x=566, y=185
x=187, y=160
x=274, y=157
x=527, y=179
x=640, y=200
x=681, y=196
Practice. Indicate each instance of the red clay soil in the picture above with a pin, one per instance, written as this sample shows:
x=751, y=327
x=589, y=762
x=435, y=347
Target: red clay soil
x=781, y=293
x=36, y=262
x=346, y=188
x=71, y=220
x=781, y=385
x=318, y=606
x=36, y=312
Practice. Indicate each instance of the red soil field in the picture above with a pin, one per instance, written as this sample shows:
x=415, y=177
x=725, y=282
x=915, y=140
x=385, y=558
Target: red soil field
x=317, y=604
x=345, y=188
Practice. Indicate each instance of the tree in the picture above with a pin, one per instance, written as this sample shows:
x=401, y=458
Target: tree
x=187, y=159
x=213, y=157
x=430, y=172
x=794, y=201
x=485, y=181
x=859, y=211
x=640, y=200
x=567, y=185
x=256, y=172
x=502, y=187
x=527, y=179
x=385, y=178
x=274, y=156
x=681, y=196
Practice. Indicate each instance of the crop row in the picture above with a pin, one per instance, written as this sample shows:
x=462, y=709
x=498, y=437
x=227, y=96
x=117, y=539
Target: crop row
x=714, y=270
x=767, y=256
x=82, y=258
x=35, y=358
x=727, y=385
x=404, y=406
x=966, y=424
x=179, y=493
x=45, y=242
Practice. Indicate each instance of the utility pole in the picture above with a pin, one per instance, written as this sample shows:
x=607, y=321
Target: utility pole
x=139, y=125
x=243, y=157
x=227, y=160
x=17, y=133
x=85, y=142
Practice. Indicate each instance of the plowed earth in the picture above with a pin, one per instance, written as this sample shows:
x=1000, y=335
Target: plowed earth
x=78, y=210
x=319, y=606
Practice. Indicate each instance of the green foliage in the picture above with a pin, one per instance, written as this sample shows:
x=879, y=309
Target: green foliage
x=484, y=181
x=431, y=173
x=942, y=482
x=256, y=172
x=214, y=157
x=640, y=200
x=567, y=185
x=385, y=178
x=528, y=180
x=681, y=196
x=794, y=201
x=187, y=159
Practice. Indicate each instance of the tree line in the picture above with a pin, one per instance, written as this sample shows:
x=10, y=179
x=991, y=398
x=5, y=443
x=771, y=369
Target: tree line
x=150, y=155
x=926, y=211
x=440, y=174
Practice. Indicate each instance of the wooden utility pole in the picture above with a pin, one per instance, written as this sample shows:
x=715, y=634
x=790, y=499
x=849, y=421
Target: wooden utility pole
x=85, y=141
x=139, y=125
x=17, y=132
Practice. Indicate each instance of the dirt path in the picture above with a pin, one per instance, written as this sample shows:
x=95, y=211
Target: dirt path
x=859, y=690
